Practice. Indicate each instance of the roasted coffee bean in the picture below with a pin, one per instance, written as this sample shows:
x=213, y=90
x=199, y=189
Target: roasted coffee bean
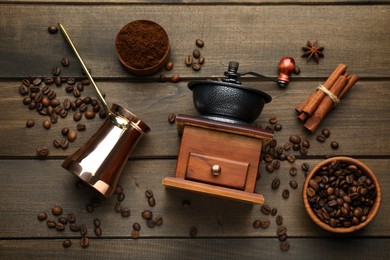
x=65, y=131
x=67, y=243
x=52, y=29
x=71, y=81
x=27, y=100
x=23, y=90
x=285, y=246
x=37, y=81
x=147, y=214
x=63, y=220
x=39, y=107
x=48, y=80
x=199, y=43
x=135, y=234
x=175, y=78
x=293, y=171
x=121, y=197
x=69, y=88
x=65, y=62
x=72, y=135
x=306, y=144
x=269, y=168
x=96, y=108
x=76, y=93
x=83, y=229
x=325, y=132
x=201, y=60
x=148, y=194
x=256, y=223
x=83, y=107
x=45, y=101
x=321, y=138
x=102, y=114
x=303, y=150
x=118, y=190
x=274, y=211
x=56, y=71
x=35, y=89
x=89, y=114
x=171, y=118
x=169, y=65
x=51, y=95
x=118, y=206
x=282, y=238
x=46, y=124
x=285, y=194
x=196, y=53
x=196, y=66
x=80, y=86
x=273, y=143
x=96, y=222
x=273, y=120
x=38, y=97
x=51, y=223
x=275, y=183
x=291, y=158
x=295, y=139
x=281, y=230
x=81, y=127
x=193, y=231
x=89, y=208
x=57, y=81
x=30, y=123
x=125, y=212
x=86, y=82
x=71, y=217
x=84, y=242
x=136, y=226
x=60, y=227
x=265, y=209
x=61, y=143
x=188, y=60
x=265, y=223
x=158, y=220
x=31, y=105
x=268, y=158
x=296, y=147
x=305, y=167
x=42, y=216
x=150, y=223
x=334, y=145
x=42, y=151
x=276, y=164
x=293, y=184
x=278, y=127
x=98, y=231
x=77, y=116
x=279, y=220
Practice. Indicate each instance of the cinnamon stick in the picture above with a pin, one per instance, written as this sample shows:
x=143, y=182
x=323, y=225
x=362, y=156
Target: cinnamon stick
x=311, y=103
x=351, y=81
x=326, y=105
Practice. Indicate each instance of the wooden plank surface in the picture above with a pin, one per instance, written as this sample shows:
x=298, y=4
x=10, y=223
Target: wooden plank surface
x=257, y=36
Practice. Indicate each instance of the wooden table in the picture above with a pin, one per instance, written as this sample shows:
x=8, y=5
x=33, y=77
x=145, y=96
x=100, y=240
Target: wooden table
x=356, y=33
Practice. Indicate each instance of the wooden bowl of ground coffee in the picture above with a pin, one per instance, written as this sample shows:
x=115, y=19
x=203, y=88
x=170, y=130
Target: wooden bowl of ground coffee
x=341, y=195
x=142, y=47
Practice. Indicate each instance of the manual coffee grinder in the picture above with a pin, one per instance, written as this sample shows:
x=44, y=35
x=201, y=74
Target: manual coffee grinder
x=220, y=152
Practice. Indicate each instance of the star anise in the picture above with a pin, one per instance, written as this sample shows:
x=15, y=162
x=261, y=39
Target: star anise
x=313, y=51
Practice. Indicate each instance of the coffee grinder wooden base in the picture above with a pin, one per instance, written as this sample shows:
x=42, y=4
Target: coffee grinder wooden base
x=219, y=158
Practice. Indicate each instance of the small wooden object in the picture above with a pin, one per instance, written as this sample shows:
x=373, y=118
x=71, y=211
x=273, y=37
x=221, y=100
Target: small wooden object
x=219, y=158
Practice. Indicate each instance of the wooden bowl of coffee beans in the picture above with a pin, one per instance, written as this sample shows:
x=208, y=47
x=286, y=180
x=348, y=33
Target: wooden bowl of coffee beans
x=341, y=195
x=142, y=47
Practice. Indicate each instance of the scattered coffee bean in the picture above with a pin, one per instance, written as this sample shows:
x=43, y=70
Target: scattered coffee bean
x=136, y=226
x=102, y=114
x=65, y=62
x=303, y=150
x=297, y=70
x=201, y=60
x=278, y=127
x=305, y=167
x=275, y=183
x=158, y=220
x=84, y=242
x=52, y=29
x=72, y=135
x=285, y=246
x=30, y=123
x=171, y=118
x=291, y=158
x=42, y=151
x=162, y=78
x=287, y=146
x=196, y=53
x=121, y=197
x=274, y=211
x=276, y=164
x=175, y=78
x=293, y=184
x=199, y=43
x=169, y=65
x=81, y=127
x=125, y=212
x=281, y=230
x=325, y=132
x=265, y=223
x=135, y=234
x=296, y=147
x=321, y=138
x=196, y=66
x=188, y=60
x=98, y=231
x=265, y=209
x=71, y=217
x=269, y=168
x=285, y=194
x=46, y=124
x=89, y=114
x=77, y=116
x=118, y=206
x=147, y=214
x=295, y=139
x=60, y=227
x=64, y=144
x=74, y=227
x=83, y=229
x=306, y=144
x=256, y=223
x=272, y=120
x=56, y=210
x=63, y=220
x=279, y=220
x=51, y=223
x=42, y=216
x=148, y=194
x=67, y=243
x=56, y=71
x=96, y=222
x=293, y=171
x=334, y=145
x=89, y=208
x=193, y=231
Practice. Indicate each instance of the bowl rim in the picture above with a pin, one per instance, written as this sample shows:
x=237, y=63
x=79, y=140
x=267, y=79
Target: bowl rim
x=149, y=70
x=373, y=211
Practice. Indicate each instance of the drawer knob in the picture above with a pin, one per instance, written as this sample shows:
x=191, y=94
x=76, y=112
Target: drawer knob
x=216, y=169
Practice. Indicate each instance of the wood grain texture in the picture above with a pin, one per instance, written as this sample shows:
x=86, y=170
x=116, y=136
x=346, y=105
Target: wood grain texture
x=29, y=186
x=238, y=248
x=256, y=36
x=364, y=113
